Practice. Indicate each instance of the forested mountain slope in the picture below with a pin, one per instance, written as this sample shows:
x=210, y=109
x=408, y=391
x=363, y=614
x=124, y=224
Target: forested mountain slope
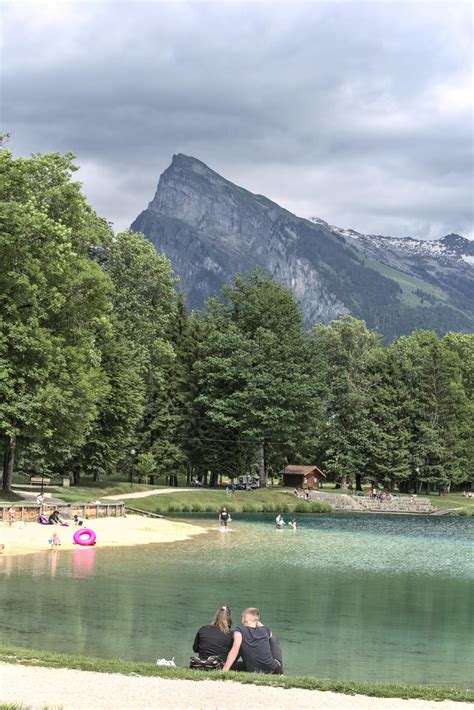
x=210, y=229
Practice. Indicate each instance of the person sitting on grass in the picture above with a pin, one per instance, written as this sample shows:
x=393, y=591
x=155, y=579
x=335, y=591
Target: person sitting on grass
x=54, y=518
x=215, y=639
x=259, y=650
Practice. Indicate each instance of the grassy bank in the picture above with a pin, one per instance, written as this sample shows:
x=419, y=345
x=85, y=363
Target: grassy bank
x=13, y=654
x=204, y=500
x=80, y=494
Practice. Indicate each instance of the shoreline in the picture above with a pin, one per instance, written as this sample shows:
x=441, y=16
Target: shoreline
x=129, y=531
x=35, y=677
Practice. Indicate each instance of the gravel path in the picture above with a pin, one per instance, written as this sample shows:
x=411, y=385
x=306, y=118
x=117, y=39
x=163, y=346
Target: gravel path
x=154, y=492
x=80, y=690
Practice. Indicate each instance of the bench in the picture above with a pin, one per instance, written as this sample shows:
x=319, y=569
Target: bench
x=38, y=481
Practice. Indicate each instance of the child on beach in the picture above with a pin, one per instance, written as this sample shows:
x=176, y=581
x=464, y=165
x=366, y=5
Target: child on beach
x=294, y=524
x=55, y=541
x=78, y=521
x=11, y=515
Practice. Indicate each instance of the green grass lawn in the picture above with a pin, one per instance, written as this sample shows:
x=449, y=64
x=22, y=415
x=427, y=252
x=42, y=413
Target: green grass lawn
x=211, y=501
x=9, y=497
x=13, y=654
x=83, y=493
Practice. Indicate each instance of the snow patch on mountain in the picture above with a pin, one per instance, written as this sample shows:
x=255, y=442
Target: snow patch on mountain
x=451, y=246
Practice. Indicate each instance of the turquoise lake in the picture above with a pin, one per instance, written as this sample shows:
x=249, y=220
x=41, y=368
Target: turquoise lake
x=362, y=597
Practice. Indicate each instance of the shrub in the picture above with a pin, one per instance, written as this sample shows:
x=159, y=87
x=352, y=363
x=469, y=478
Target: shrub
x=250, y=508
x=320, y=508
x=175, y=508
x=302, y=507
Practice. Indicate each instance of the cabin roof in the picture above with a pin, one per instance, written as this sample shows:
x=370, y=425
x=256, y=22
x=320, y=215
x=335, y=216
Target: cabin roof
x=295, y=469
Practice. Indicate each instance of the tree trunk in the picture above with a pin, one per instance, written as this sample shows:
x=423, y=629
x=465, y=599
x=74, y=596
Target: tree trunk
x=8, y=463
x=358, y=482
x=76, y=476
x=96, y=476
x=263, y=474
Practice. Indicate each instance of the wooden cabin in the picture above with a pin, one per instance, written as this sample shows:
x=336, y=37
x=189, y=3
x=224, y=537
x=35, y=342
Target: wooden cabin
x=302, y=476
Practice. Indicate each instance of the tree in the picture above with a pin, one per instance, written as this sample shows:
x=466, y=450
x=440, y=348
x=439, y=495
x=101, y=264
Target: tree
x=135, y=352
x=54, y=308
x=437, y=407
x=253, y=369
x=347, y=353
x=389, y=461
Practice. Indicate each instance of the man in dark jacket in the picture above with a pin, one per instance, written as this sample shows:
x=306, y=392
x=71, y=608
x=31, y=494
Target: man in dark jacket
x=254, y=642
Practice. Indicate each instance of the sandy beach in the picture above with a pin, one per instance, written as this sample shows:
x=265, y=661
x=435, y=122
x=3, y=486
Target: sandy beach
x=25, y=538
x=83, y=690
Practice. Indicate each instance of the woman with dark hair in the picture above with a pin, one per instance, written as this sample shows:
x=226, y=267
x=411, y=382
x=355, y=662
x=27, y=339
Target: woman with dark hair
x=216, y=638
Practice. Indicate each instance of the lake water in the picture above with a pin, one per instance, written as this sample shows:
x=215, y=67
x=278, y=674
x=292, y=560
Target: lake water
x=362, y=597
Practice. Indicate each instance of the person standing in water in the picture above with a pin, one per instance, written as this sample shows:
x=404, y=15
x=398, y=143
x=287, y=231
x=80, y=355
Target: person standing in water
x=279, y=522
x=224, y=518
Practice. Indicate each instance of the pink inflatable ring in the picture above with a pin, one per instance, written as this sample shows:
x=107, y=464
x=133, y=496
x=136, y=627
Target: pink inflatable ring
x=84, y=537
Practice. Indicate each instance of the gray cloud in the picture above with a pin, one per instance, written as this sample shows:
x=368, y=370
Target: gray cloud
x=357, y=112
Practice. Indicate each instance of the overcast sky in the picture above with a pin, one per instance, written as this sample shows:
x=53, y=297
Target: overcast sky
x=356, y=112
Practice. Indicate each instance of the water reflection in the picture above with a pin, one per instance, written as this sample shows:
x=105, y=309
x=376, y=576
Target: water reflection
x=53, y=562
x=83, y=562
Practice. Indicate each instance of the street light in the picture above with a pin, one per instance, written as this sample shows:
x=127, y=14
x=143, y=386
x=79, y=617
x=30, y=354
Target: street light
x=132, y=454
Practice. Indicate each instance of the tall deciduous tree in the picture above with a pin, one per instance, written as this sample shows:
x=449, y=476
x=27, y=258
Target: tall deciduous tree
x=348, y=353
x=253, y=370
x=55, y=305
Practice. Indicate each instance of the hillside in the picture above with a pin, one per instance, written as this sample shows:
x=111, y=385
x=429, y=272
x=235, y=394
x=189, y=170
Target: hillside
x=211, y=229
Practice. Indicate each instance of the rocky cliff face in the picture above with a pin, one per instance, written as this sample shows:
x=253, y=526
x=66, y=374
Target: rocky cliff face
x=210, y=229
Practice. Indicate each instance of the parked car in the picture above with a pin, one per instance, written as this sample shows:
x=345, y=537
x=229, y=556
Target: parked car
x=247, y=482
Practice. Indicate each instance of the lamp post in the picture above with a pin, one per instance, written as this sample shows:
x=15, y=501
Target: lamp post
x=132, y=454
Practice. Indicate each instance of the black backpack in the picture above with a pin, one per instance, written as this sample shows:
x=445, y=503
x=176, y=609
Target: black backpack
x=213, y=663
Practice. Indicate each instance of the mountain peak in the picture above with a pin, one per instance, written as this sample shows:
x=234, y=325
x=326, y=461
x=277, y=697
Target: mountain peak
x=211, y=229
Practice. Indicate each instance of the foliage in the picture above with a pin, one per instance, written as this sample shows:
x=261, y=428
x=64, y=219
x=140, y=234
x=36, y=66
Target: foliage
x=54, y=308
x=207, y=501
x=256, y=385
x=98, y=355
